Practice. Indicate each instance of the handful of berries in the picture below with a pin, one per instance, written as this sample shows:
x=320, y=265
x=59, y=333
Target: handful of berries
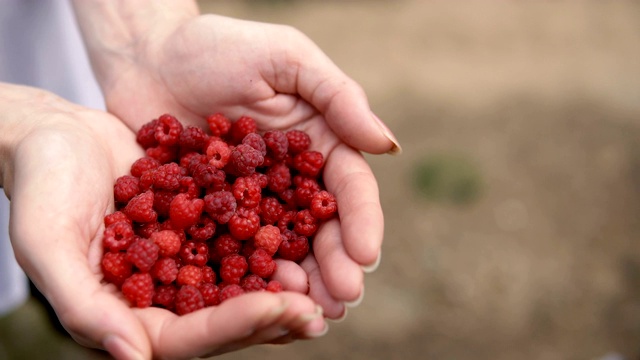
x=202, y=217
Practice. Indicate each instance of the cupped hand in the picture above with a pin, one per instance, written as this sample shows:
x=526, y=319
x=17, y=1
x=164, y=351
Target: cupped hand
x=59, y=174
x=192, y=68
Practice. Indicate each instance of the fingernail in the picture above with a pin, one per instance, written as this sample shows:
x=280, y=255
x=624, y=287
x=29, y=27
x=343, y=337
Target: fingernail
x=322, y=332
x=304, y=319
x=373, y=266
x=342, y=317
x=120, y=349
x=396, y=149
x=276, y=312
x=356, y=302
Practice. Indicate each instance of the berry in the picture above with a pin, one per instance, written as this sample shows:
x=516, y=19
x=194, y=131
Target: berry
x=274, y=286
x=230, y=291
x=293, y=247
x=244, y=159
x=189, y=275
x=323, y=205
x=125, y=188
x=260, y=178
x=168, y=242
x=163, y=153
x=146, y=229
x=306, y=188
x=268, y=237
x=194, y=253
x=208, y=275
x=218, y=124
x=308, y=163
x=185, y=212
x=188, y=300
x=165, y=296
x=116, y=217
x=146, y=135
x=224, y=245
x=255, y=141
x=140, y=208
x=298, y=140
x=244, y=223
x=192, y=137
x=190, y=159
x=143, y=253
x=115, y=267
x=208, y=176
x=270, y=210
x=138, y=289
x=220, y=205
x=165, y=270
x=162, y=201
x=278, y=178
x=168, y=130
x=142, y=165
x=304, y=223
x=118, y=236
x=210, y=294
x=287, y=221
x=203, y=230
x=167, y=177
x=247, y=192
x=218, y=153
x=253, y=283
x=277, y=144
x=241, y=128
x=261, y=263
x=233, y=268
x=289, y=198
x=188, y=186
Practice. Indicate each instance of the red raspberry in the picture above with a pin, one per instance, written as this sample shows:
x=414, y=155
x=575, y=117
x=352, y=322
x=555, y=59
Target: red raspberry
x=253, y=282
x=323, y=205
x=289, y=198
x=194, y=253
x=255, y=141
x=248, y=248
x=208, y=275
x=188, y=186
x=168, y=130
x=244, y=223
x=168, y=242
x=210, y=294
x=163, y=153
x=125, y=188
x=143, y=253
x=185, y=212
x=190, y=159
x=118, y=236
x=261, y=263
x=188, y=300
x=260, y=178
x=145, y=230
x=194, y=138
x=268, y=237
x=146, y=180
x=308, y=163
x=138, y=289
x=224, y=245
x=306, y=188
x=146, y=135
x=293, y=247
x=218, y=153
x=165, y=296
x=299, y=141
x=219, y=125
x=208, y=176
x=162, y=202
x=142, y=165
x=165, y=270
x=274, y=286
x=287, y=221
x=189, y=275
x=305, y=224
x=230, y=291
x=233, y=268
x=279, y=178
x=116, y=217
x=140, y=208
x=115, y=267
x=167, y=177
x=270, y=210
x=241, y=128
x=247, y=192
x=203, y=230
x=277, y=144
x=220, y=205
x=243, y=160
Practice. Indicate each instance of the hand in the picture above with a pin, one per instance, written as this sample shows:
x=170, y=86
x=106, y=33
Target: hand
x=194, y=66
x=58, y=164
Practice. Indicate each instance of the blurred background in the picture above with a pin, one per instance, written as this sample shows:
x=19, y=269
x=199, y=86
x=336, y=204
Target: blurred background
x=513, y=214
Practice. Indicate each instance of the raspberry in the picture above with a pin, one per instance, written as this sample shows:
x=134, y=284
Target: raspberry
x=289, y=198
x=277, y=144
x=219, y=125
x=299, y=141
x=278, y=177
x=115, y=267
x=218, y=153
x=255, y=141
x=140, y=208
x=165, y=270
x=146, y=180
x=192, y=137
x=146, y=135
x=203, y=230
x=270, y=210
x=268, y=237
x=208, y=176
x=244, y=223
x=168, y=242
x=163, y=153
x=142, y=165
x=188, y=300
x=168, y=130
x=244, y=159
x=261, y=263
x=138, y=289
x=116, y=217
x=241, y=128
x=304, y=223
x=248, y=248
x=286, y=221
x=167, y=177
x=125, y=188
x=247, y=192
x=274, y=286
x=189, y=275
x=190, y=159
x=230, y=291
x=208, y=275
x=146, y=229
x=210, y=294
x=224, y=245
x=233, y=268
x=306, y=188
x=260, y=179
x=253, y=283
x=194, y=253
x=188, y=186
x=185, y=212
x=293, y=247
x=143, y=253
x=162, y=201
x=308, y=163
x=165, y=296
x=118, y=236
x=220, y=205
x=323, y=205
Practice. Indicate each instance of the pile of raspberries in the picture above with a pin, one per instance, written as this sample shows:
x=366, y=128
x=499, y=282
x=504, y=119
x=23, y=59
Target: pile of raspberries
x=202, y=217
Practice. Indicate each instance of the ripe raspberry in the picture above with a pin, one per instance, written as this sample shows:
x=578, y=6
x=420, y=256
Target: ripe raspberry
x=185, y=212
x=243, y=160
x=190, y=159
x=220, y=205
x=261, y=263
x=293, y=247
x=208, y=275
x=168, y=242
x=116, y=217
x=277, y=144
x=146, y=135
x=274, y=286
x=253, y=282
x=208, y=176
x=233, y=268
x=142, y=165
x=289, y=198
x=299, y=141
x=125, y=188
x=143, y=253
x=308, y=163
x=260, y=179
x=146, y=180
x=162, y=202
x=163, y=153
x=167, y=177
x=194, y=138
x=224, y=245
x=203, y=230
x=138, y=289
x=168, y=130
x=218, y=153
x=164, y=270
x=165, y=296
x=247, y=192
x=188, y=300
x=278, y=177
x=230, y=291
x=115, y=267
x=189, y=275
x=268, y=238
x=188, y=186
x=219, y=125
x=270, y=210
x=194, y=253
x=241, y=128
x=287, y=221
x=244, y=223
x=306, y=188
x=210, y=294
x=305, y=224
x=145, y=230
x=323, y=205
x=140, y=208
x=255, y=141
x=248, y=248
x=118, y=236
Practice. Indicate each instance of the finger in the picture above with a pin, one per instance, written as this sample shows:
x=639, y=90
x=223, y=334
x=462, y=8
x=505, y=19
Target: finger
x=332, y=308
x=291, y=276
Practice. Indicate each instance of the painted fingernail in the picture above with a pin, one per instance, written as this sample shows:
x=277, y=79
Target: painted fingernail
x=120, y=349
x=373, y=266
x=356, y=302
x=396, y=149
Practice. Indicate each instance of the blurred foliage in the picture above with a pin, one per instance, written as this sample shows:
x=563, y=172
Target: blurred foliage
x=447, y=178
